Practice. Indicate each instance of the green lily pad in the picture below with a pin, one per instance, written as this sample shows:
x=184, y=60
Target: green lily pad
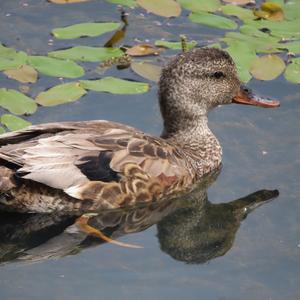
x=291, y=46
x=264, y=44
x=13, y=122
x=12, y=60
x=237, y=11
x=2, y=130
x=128, y=3
x=146, y=70
x=212, y=20
x=267, y=67
x=164, y=8
x=85, y=53
x=200, y=5
x=291, y=10
x=60, y=94
x=56, y=67
x=16, y=102
x=174, y=45
x=243, y=57
x=115, y=86
x=84, y=29
x=283, y=29
x=292, y=73
x=214, y=45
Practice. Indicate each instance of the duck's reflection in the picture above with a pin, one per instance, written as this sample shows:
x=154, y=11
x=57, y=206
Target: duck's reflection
x=190, y=228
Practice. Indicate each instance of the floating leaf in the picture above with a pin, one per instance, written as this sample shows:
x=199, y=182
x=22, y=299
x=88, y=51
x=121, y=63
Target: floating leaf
x=63, y=93
x=143, y=50
x=293, y=47
x=85, y=53
x=24, y=74
x=12, y=60
x=115, y=86
x=164, y=8
x=67, y=1
x=16, y=102
x=240, y=12
x=292, y=72
x=200, y=5
x=267, y=67
x=239, y=2
x=283, y=29
x=128, y=3
x=56, y=67
x=13, y=122
x=292, y=10
x=212, y=20
x=271, y=11
x=174, y=45
x=146, y=70
x=214, y=45
x=84, y=29
x=263, y=44
x=243, y=57
x=2, y=130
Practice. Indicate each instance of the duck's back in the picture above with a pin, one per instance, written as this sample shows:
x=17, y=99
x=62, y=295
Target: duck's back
x=87, y=165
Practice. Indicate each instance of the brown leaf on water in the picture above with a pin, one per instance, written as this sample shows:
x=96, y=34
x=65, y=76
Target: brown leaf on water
x=164, y=8
x=67, y=1
x=144, y=50
x=24, y=74
x=239, y=2
x=271, y=11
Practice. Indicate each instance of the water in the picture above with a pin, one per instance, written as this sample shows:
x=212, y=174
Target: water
x=261, y=151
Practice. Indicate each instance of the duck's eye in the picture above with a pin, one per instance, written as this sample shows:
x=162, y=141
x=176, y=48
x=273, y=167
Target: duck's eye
x=218, y=75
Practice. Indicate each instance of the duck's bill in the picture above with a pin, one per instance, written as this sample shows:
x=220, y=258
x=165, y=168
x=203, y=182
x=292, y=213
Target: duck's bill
x=247, y=97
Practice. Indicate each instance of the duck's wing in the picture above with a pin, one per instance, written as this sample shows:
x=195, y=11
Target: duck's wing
x=80, y=158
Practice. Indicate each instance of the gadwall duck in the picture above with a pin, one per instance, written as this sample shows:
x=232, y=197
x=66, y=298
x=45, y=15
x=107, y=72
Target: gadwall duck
x=96, y=165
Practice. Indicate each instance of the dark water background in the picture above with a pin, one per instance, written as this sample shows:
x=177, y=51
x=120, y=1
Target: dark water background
x=261, y=150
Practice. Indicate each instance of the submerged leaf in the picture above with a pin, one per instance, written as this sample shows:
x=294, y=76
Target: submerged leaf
x=143, y=50
x=63, y=93
x=56, y=67
x=24, y=74
x=200, y=5
x=13, y=122
x=164, y=8
x=115, y=86
x=267, y=67
x=175, y=45
x=16, y=102
x=84, y=29
x=146, y=70
x=212, y=20
x=85, y=53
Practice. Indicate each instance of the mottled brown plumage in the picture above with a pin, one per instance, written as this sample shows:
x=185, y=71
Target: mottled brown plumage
x=102, y=165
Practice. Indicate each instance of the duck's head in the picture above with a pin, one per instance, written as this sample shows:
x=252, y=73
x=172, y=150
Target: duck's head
x=196, y=81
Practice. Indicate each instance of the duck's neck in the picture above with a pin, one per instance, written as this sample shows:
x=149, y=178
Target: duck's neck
x=199, y=144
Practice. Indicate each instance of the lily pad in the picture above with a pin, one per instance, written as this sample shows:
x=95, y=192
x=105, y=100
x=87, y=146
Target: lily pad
x=243, y=57
x=84, y=29
x=267, y=67
x=146, y=70
x=212, y=20
x=16, y=102
x=237, y=11
x=174, y=45
x=239, y=2
x=60, y=94
x=24, y=74
x=115, y=86
x=143, y=50
x=56, y=67
x=271, y=11
x=293, y=47
x=292, y=73
x=13, y=122
x=86, y=53
x=2, y=130
x=128, y=3
x=164, y=8
x=283, y=29
x=200, y=5
x=11, y=60
x=291, y=10
x=67, y=1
